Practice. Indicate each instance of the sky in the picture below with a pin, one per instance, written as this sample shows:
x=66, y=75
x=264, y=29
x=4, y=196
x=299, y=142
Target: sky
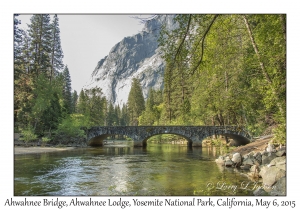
x=86, y=39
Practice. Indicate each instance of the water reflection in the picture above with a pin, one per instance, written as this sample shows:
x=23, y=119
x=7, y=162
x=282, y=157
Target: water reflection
x=158, y=169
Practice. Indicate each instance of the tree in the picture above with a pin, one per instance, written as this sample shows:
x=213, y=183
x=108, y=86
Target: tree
x=135, y=103
x=52, y=115
x=74, y=101
x=67, y=90
x=56, y=50
x=82, y=105
x=149, y=115
x=110, y=120
x=92, y=104
x=124, y=116
x=17, y=45
x=41, y=39
x=225, y=70
x=96, y=105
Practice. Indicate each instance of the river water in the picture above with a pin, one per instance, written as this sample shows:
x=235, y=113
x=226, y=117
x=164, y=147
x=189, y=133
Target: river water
x=120, y=169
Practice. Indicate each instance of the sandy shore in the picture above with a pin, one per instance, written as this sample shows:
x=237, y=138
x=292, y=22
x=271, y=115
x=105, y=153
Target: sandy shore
x=18, y=150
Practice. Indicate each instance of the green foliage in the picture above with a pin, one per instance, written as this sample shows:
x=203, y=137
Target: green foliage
x=38, y=87
x=74, y=101
x=71, y=126
x=67, y=91
x=45, y=140
x=225, y=70
x=27, y=135
x=46, y=110
x=40, y=48
x=93, y=105
x=135, y=103
x=280, y=134
x=124, y=116
x=112, y=118
x=151, y=114
x=220, y=70
x=56, y=50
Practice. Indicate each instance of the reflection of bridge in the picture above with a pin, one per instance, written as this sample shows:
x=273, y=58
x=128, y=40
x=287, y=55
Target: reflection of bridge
x=193, y=134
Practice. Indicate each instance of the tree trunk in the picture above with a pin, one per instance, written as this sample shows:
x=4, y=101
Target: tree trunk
x=265, y=73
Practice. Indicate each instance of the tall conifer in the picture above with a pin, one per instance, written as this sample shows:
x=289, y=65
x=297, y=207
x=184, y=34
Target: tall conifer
x=40, y=33
x=136, y=103
x=67, y=96
x=56, y=50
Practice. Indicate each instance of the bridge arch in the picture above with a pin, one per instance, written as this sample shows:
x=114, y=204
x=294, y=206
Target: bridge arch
x=140, y=134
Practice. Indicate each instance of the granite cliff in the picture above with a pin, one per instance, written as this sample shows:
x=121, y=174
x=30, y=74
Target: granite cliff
x=135, y=56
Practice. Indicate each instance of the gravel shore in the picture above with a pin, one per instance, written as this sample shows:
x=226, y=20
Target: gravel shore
x=18, y=150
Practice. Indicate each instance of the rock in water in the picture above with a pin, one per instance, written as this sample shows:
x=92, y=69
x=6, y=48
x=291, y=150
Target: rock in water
x=237, y=159
x=136, y=56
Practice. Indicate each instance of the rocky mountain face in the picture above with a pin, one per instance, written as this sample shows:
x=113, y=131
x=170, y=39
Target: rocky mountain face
x=135, y=56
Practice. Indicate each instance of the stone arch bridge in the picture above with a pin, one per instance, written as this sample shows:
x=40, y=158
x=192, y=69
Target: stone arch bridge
x=193, y=134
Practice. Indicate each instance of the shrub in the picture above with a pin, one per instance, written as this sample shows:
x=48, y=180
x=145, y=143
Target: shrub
x=71, y=126
x=27, y=135
x=280, y=134
x=45, y=140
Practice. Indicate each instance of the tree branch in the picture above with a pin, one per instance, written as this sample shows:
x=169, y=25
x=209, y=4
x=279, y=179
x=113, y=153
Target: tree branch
x=182, y=41
x=202, y=47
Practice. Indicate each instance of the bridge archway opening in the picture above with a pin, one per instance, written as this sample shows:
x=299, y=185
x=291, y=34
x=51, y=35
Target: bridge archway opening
x=171, y=138
x=227, y=138
x=107, y=139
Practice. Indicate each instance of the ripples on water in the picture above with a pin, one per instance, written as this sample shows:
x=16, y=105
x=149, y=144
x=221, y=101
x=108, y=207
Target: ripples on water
x=159, y=169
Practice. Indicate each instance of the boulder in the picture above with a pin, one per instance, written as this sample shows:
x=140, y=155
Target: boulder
x=258, y=157
x=254, y=169
x=270, y=148
x=271, y=175
x=237, y=158
x=279, y=162
x=280, y=153
x=228, y=162
x=260, y=192
x=245, y=167
x=248, y=161
x=220, y=160
x=266, y=159
x=279, y=189
x=264, y=153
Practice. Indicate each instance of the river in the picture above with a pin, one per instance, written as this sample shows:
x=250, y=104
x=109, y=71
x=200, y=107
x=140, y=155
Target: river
x=120, y=169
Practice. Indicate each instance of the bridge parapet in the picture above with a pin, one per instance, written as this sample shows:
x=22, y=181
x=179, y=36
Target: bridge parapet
x=193, y=134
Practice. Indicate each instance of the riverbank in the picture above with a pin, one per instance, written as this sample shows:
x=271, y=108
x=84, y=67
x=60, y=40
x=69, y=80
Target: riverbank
x=262, y=162
x=256, y=146
x=19, y=150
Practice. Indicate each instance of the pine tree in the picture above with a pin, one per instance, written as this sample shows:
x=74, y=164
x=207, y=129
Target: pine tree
x=17, y=42
x=56, y=50
x=136, y=103
x=82, y=105
x=67, y=96
x=110, y=120
x=124, y=118
x=74, y=101
x=52, y=115
x=96, y=105
x=41, y=39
